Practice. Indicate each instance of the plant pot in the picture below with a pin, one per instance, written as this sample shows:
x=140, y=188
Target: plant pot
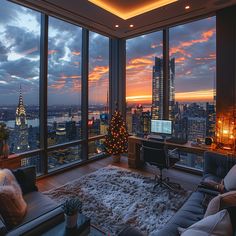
x=71, y=221
x=116, y=158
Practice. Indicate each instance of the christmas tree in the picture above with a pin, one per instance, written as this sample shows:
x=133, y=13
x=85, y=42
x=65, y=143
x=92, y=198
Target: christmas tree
x=116, y=140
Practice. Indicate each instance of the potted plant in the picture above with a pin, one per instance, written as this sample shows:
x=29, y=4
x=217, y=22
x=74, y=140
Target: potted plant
x=72, y=206
x=4, y=135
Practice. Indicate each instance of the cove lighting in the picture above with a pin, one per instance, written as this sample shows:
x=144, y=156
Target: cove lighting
x=128, y=9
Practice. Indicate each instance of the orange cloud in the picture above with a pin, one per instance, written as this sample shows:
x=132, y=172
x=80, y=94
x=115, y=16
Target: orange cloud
x=180, y=60
x=50, y=52
x=29, y=51
x=70, y=77
x=75, y=53
x=205, y=36
x=98, y=72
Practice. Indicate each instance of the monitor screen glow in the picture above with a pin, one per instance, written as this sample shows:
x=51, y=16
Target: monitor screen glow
x=161, y=126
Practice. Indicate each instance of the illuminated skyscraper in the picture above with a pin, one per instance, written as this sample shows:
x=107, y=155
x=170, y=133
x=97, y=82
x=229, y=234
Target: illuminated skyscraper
x=21, y=127
x=157, y=89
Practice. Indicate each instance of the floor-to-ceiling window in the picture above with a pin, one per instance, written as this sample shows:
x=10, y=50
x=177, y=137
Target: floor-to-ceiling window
x=98, y=93
x=64, y=91
x=144, y=81
x=192, y=83
x=19, y=78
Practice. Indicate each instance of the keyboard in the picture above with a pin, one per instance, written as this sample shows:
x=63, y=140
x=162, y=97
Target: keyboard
x=176, y=140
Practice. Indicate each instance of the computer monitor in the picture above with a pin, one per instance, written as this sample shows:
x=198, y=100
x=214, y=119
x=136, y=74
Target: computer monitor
x=161, y=127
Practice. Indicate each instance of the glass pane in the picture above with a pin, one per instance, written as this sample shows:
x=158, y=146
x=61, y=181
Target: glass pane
x=191, y=160
x=96, y=148
x=63, y=157
x=64, y=82
x=144, y=69
x=19, y=75
x=34, y=161
x=98, y=84
x=192, y=84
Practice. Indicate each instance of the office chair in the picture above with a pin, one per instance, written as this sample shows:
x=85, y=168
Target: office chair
x=157, y=154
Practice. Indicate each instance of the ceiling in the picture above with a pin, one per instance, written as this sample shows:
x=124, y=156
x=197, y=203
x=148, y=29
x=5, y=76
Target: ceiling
x=128, y=9
x=93, y=17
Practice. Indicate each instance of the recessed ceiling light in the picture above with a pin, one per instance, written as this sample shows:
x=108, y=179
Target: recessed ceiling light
x=187, y=7
x=117, y=26
x=131, y=26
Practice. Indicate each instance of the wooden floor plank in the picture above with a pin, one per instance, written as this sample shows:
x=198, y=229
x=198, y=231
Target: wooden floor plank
x=188, y=181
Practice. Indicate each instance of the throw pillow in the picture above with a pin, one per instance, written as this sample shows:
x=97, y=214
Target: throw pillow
x=13, y=207
x=218, y=224
x=230, y=179
x=26, y=181
x=220, y=202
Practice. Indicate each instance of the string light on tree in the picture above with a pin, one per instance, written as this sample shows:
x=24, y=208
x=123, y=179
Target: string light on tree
x=116, y=140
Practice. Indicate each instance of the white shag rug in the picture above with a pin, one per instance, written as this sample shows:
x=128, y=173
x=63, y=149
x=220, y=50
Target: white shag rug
x=114, y=197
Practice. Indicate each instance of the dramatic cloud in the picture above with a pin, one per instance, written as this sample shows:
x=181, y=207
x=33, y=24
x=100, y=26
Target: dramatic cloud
x=193, y=47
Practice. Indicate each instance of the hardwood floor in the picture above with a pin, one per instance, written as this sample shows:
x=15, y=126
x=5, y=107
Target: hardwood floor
x=187, y=181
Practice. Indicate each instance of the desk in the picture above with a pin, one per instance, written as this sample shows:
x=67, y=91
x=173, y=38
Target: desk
x=135, y=143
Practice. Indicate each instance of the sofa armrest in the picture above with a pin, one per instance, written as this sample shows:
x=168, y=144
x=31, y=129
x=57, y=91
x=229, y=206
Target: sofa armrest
x=217, y=164
x=3, y=229
x=40, y=224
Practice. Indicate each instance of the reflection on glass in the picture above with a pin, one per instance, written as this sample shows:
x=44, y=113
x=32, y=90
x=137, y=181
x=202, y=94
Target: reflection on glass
x=144, y=82
x=96, y=148
x=64, y=157
x=98, y=110
x=64, y=82
x=19, y=75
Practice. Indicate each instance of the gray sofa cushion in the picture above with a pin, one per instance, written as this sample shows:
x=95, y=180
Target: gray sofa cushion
x=191, y=212
x=37, y=205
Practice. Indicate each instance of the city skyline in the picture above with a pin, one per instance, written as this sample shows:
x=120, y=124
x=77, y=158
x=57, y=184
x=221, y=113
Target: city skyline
x=192, y=45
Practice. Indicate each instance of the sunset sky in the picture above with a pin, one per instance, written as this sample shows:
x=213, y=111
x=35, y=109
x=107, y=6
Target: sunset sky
x=192, y=45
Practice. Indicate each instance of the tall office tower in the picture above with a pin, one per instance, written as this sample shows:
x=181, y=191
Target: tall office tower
x=157, y=89
x=21, y=127
x=171, y=84
x=211, y=119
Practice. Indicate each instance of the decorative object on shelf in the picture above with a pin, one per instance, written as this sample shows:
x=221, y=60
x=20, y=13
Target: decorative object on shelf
x=226, y=132
x=4, y=135
x=72, y=206
x=116, y=140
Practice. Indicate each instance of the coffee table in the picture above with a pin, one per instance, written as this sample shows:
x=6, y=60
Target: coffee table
x=59, y=230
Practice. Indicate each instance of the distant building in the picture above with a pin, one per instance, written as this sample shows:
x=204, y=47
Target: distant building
x=211, y=120
x=157, y=89
x=196, y=128
x=21, y=128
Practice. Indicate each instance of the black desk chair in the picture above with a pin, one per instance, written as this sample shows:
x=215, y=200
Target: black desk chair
x=157, y=154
